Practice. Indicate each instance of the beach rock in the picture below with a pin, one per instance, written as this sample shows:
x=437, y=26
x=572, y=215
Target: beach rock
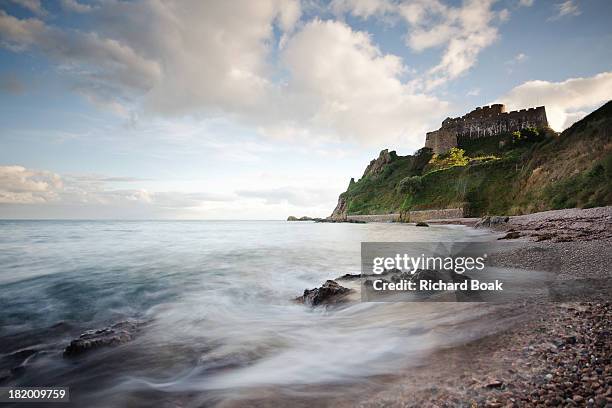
x=330, y=292
x=491, y=221
x=494, y=384
x=114, y=335
x=422, y=224
x=511, y=235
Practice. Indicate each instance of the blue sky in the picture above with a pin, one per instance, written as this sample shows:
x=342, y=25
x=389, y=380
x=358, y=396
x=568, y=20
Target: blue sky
x=259, y=110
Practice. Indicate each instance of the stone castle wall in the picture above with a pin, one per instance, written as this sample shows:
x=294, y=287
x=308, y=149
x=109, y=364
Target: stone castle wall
x=483, y=122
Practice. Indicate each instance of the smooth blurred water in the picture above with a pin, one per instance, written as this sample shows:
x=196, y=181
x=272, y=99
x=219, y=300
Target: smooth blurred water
x=216, y=299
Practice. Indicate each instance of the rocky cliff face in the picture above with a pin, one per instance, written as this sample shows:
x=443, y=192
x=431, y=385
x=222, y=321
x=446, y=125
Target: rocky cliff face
x=341, y=210
x=377, y=165
x=373, y=169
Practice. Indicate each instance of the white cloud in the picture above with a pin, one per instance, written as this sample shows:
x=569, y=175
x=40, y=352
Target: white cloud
x=566, y=101
x=219, y=59
x=526, y=3
x=518, y=59
x=76, y=7
x=503, y=15
x=19, y=185
x=567, y=8
x=292, y=195
x=342, y=81
x=473, y=92
x=464, y=31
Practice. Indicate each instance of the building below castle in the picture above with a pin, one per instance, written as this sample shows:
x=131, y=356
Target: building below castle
x=483, y=122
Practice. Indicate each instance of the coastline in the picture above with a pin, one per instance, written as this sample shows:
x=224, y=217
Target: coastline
x=555, y=353
x=559, y=354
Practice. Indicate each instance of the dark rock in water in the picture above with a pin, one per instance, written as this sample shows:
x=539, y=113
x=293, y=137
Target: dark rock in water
x=511, y=235
x=349, y=276
x=330, y=292
x=422, y=224
x=491, y=221
x=114, y=335
x=339, y=220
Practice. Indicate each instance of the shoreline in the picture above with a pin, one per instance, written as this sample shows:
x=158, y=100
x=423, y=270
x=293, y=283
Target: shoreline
x=556, y=354
x=560, y=355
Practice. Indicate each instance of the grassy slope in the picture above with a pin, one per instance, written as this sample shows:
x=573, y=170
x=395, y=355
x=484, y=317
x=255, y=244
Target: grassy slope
x=573, y=169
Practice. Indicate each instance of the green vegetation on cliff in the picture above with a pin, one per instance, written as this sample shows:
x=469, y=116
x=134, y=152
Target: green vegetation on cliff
x=523, y=172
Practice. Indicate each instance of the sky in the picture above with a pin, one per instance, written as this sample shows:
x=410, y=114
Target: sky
x=241, y=109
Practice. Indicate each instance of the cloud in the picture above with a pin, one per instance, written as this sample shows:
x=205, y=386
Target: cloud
x=19, y=185
x=518, y=59
x=341, y=81
x=292, y=195
x=76, y=7
x=526, y=3
x=473, y=92
x=319, y=79
x=34, y=6
x=566, y=101
x=464, y=32
x=99, y=61
x=567, y=8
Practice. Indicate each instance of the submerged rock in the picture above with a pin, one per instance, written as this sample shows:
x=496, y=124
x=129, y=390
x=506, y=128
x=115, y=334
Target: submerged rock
x=330, y=292
x=114, y=335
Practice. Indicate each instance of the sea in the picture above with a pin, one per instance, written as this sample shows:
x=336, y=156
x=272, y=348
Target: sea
x=216, y=304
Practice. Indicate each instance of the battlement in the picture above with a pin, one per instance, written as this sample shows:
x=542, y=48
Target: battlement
x=481, y=122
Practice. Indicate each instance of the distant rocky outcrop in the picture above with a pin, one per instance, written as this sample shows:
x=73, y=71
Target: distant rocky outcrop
x=304, y=218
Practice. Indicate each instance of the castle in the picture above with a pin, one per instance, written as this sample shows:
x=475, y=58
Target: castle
x=483, y=122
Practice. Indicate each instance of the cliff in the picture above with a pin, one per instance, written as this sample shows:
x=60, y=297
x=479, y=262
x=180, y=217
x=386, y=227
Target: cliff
x=508, y=173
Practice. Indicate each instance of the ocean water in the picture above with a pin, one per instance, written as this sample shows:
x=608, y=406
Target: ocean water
x=215, y=299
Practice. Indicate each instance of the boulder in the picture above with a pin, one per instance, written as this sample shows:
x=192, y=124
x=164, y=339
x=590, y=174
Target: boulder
x=114, y=335
x=511, y=235
x=422, y=224
x=491, y=221
x=330, y=292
